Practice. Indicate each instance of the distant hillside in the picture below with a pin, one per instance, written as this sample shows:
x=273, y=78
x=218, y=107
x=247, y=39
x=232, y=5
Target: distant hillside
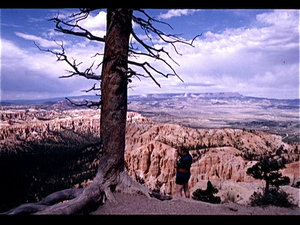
x=222, y=110
x=199, y=110
x=48, y=101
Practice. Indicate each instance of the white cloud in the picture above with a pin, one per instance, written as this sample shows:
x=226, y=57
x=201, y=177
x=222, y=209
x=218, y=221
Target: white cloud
x=259, y=60
x=281, y=18
x=40, y=41
x=95, y=24
x=26, y=73
x=30, y=73
x=176, y=13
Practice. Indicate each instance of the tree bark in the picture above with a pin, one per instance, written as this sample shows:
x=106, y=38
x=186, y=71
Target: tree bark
x=111, y=175
x=114, y=86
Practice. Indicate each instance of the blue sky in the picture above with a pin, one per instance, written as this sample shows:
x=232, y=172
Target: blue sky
x=253, y=52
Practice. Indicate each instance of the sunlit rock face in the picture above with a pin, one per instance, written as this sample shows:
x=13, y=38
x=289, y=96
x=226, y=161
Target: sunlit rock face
x=218, y=154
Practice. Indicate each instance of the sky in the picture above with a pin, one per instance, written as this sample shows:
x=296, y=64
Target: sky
x=253, y=52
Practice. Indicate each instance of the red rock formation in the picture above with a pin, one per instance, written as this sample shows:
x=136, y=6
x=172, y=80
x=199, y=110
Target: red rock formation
x=218, y=154
x=150, y=157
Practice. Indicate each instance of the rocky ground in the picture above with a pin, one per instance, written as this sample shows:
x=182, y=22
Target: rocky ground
x=141, y=205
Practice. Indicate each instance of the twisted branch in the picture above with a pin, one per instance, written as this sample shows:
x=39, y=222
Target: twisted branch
x=61, y=56
x=72, y=27
x=153, y=52
x=89, y=104
x=67, y=27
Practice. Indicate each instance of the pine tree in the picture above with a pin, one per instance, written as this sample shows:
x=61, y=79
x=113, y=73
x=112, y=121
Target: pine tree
x=267, y=169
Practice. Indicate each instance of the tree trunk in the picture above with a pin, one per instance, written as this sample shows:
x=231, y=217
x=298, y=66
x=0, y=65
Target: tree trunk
x=111, y=174
x=267, y=187
x=114, y=87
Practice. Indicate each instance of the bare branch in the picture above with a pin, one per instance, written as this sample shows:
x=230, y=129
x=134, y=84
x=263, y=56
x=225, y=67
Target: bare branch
x=199, y=35
x=69, y=27
x=87, y=103
x=72, y=27
x=61, y=56
x=97, y=55
x=148, y=28
x=92, y=88
x=143, y=65
x=152, y=51
x=155, y=20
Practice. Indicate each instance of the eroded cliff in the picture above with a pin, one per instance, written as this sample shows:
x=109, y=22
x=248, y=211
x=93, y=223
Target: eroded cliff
x=218, y=154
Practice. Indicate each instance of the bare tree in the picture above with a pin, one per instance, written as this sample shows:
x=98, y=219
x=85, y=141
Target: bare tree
x=121, y=43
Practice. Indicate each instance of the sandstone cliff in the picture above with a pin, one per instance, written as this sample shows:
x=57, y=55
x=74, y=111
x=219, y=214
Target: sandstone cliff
x=21, y=127
x=218, y=154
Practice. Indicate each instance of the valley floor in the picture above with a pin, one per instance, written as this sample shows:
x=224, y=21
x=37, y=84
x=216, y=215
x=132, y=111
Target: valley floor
x=141, y=205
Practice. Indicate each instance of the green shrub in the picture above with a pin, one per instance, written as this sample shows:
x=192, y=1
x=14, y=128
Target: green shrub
x=268, y=169
x=207, y=195
x=274, y=196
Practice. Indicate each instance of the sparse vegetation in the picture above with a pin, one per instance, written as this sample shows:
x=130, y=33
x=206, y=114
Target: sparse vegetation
x=267, y=169
x=274, y=196
x=207, y=195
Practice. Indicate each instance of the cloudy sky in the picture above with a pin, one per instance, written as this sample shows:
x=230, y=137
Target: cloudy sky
x=253, y=52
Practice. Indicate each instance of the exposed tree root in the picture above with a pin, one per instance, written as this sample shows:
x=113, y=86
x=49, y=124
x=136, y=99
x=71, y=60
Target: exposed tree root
x=76, y=201
x=52, y=199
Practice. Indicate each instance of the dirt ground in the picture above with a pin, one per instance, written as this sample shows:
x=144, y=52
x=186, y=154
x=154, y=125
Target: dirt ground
x=141, y=205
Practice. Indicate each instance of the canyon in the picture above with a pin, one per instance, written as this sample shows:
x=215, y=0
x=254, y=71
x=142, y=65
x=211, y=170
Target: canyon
x=222, y=110
x=221, y=155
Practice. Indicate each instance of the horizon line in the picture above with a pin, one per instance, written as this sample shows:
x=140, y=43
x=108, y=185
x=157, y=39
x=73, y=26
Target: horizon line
x=42, y=100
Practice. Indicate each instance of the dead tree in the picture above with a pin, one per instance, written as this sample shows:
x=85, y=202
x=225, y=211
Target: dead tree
x=117, y=72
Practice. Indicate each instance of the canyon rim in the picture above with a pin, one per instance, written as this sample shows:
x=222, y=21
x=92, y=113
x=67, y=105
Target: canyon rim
x=221, y=155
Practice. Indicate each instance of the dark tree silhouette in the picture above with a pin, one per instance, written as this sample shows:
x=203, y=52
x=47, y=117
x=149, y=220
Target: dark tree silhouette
x=267, y=169
x=118, y=68
x=207, y=195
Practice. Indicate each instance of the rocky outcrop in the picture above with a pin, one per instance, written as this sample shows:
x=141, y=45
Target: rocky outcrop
x=153, y=165
x=292, y=170
x=223, y=163
x=250, y=143
x=218, y=154
x=25, y=126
